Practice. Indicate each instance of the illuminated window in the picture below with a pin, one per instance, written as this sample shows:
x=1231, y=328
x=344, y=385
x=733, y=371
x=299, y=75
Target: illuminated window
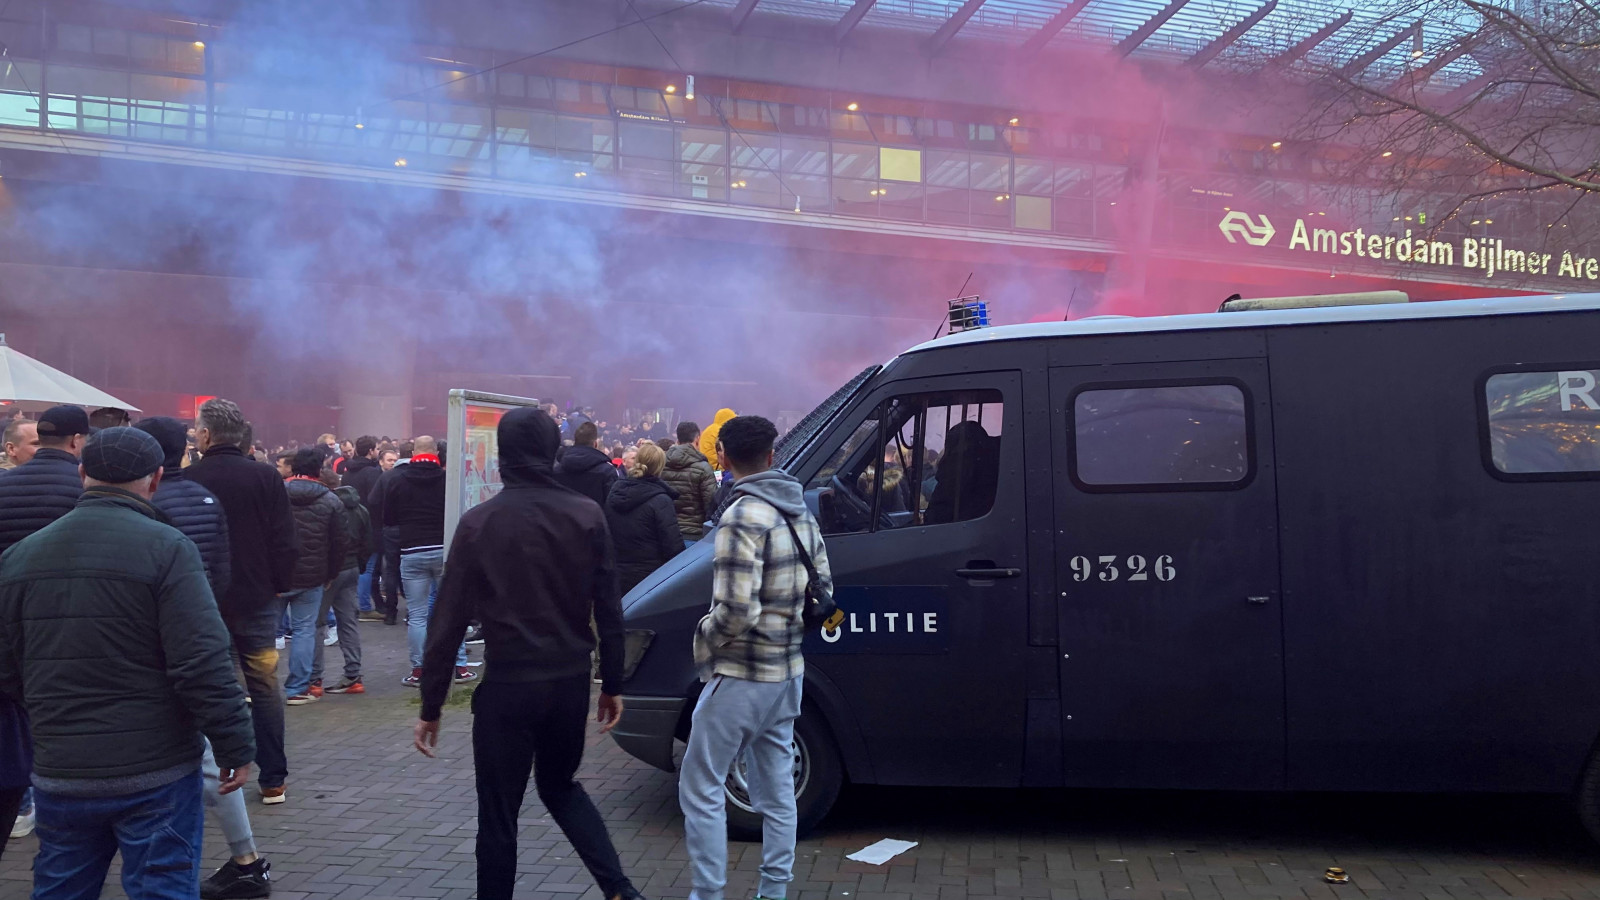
x=896, y=164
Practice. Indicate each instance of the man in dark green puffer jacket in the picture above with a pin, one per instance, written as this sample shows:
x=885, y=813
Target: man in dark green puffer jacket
x=110, y=637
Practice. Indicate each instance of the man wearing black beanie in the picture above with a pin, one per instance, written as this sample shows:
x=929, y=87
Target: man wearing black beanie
x=534, y=564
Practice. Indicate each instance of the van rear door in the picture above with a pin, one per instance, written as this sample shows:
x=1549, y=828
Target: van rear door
x=1167, y=575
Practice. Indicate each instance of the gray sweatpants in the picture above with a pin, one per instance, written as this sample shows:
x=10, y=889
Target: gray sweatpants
x=756, y=719
x=229, y=809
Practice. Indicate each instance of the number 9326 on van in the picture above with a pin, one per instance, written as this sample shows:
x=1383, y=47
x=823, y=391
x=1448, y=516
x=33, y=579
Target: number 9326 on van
x=1349, y=548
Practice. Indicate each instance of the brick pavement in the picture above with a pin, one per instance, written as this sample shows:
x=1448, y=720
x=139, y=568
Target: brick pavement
x=368, y=817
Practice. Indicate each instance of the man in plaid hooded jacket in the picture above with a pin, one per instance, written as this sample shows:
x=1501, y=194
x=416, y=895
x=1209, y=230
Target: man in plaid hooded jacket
x=748, y=652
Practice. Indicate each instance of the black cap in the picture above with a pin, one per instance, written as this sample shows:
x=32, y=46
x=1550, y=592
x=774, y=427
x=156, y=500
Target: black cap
x=63, y=421
x=171, y=434
x=120, y=455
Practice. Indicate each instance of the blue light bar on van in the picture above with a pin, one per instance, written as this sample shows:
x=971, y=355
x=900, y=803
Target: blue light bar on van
x=967, y=313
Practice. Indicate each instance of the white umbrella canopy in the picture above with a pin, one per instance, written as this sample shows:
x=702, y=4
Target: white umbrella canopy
x=32, y=386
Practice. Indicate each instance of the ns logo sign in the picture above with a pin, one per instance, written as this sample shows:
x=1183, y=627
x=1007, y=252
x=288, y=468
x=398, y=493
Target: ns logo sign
x=1239, y=223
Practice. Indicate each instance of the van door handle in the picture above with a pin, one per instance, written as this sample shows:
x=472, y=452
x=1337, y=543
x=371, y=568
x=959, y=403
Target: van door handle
x=989, y=573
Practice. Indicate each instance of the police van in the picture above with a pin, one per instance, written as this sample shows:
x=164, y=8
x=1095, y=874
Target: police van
x=1349, y=548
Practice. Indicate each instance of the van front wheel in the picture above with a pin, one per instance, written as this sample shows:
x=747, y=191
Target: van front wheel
x=818, y=775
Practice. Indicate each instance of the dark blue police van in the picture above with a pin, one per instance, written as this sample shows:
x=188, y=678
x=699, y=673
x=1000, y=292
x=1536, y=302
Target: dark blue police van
x=1329, y=549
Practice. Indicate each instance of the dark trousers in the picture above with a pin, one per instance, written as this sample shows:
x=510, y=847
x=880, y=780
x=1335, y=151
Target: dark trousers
x=391, y=572
x=266, y=711
x=10, y=802
x=516, y=727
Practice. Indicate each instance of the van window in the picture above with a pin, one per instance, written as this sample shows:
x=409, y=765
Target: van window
x=935, y=462
x=1171, y=437
x=1544, y=423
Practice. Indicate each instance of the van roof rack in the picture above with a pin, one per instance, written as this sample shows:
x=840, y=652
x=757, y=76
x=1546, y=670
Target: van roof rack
x=1236, y=303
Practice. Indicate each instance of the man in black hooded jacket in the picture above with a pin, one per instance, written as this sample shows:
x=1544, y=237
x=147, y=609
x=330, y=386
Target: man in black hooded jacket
x=534, y=564
x=584, y=468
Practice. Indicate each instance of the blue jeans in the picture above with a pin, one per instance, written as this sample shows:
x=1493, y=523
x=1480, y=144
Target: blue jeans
x=158, y=832
x=303, y=608
x=755, y=720
x=364, y=583
x=420, y=574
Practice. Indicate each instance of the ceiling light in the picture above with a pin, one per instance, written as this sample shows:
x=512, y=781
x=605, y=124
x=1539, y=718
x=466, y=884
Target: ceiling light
x=1015, y=121
x=1388, y=153
x=671, y=89
x=199, y=45
x=853, y=106
x=400, y=163
x=360, y=126
x=1476, y=222
x=1488, y=221
x=1416, y=42
x=688, y=87
x=1277, y=144
x=580, y=174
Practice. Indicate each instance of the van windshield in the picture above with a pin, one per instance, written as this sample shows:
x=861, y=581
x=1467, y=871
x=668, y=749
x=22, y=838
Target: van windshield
x=790, y=445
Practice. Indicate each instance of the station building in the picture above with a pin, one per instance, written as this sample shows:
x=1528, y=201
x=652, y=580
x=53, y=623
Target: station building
x=335, y=216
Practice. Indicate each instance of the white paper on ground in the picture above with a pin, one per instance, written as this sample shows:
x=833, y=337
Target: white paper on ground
x=882, y=851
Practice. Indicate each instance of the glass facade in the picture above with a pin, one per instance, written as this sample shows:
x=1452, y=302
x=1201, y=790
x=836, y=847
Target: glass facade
x=772, y=149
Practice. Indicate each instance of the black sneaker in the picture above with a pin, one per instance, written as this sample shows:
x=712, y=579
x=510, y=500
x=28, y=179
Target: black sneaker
x=236, y=882
x=475, y=636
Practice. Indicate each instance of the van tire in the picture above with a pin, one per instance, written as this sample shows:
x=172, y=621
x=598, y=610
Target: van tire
x=821, y=781
x=1587, y=797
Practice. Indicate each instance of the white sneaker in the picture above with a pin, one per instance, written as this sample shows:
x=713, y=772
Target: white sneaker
x=24, y=826
x=281, y=643
x=332, y=638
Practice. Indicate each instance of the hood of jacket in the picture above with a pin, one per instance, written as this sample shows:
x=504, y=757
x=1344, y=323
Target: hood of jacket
x=305, y=493
x=529, y=442
x=684, y=456
x=776, y=487
x=630, y=494
x=582, y=459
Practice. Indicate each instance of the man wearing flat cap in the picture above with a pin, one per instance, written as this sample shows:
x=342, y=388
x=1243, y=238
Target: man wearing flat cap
x=46, y=487
x=110, y=638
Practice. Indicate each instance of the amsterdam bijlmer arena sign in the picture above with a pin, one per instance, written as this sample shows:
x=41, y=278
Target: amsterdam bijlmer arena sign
x=1489, y=256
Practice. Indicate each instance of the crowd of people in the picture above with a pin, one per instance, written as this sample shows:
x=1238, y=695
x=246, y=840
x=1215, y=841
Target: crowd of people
x=151, y=573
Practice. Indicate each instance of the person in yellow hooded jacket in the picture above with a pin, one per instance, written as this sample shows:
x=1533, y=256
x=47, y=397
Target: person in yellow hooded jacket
x=708, y=438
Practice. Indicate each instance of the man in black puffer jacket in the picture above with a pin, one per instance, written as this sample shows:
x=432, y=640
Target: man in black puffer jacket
x=198, y=514
x=585, y=469
x=319, y=527
x=47, y=487
x=110, y=637
x=193, y=510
